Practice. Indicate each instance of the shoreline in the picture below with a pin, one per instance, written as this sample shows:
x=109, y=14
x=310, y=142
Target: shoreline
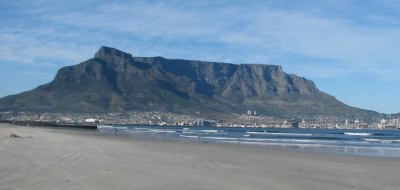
x=351, y=142
x=71, y=159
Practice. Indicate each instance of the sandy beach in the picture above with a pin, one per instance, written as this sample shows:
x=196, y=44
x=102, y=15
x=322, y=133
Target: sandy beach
x=45, y=158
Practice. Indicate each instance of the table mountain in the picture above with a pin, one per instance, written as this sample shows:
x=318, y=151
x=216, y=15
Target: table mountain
x=116, y=81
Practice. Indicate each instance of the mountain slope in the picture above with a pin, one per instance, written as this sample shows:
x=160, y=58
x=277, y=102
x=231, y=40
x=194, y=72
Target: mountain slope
x=116, y=81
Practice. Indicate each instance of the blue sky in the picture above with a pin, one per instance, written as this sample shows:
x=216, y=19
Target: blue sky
x=349, y=48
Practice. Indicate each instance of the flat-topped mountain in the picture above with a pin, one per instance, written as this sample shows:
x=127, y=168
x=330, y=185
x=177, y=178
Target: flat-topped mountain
x=116, y=81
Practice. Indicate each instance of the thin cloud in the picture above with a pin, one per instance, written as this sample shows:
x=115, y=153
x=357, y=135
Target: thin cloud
x=241, y=32
x=24, y=48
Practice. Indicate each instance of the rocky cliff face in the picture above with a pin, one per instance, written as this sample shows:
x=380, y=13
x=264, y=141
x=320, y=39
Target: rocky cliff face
x=116, y=81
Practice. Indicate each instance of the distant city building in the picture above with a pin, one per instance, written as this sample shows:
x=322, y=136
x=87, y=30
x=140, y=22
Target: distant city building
x=393, y=124
x=200, y=122
x=91, y=120
x=294, y=124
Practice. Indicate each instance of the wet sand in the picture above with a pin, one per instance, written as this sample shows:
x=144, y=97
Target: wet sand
x=45, y=158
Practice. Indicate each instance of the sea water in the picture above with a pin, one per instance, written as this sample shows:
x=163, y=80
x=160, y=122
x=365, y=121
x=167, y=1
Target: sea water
x=382, y=143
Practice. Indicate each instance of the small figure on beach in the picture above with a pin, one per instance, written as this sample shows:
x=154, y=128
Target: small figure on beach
x=13, y=135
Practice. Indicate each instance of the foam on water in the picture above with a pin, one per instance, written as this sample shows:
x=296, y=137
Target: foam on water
x=277, y=134
x=358, y=134
x=190, y=136
x=221, y=138
x=162, y=131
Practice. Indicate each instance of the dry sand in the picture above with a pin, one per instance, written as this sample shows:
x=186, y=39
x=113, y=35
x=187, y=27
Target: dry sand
x=61, y=159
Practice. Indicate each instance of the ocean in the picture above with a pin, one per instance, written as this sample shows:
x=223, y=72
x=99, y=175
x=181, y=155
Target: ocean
x=378, y=143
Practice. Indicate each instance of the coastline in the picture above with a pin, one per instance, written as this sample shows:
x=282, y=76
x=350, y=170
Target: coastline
x=47, y=158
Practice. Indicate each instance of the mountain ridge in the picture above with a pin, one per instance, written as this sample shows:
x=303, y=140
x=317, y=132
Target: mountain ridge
x=114, y=80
